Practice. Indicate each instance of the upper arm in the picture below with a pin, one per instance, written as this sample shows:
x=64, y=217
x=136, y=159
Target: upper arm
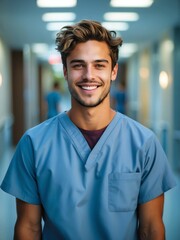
x=28, y=222
x=150, y=219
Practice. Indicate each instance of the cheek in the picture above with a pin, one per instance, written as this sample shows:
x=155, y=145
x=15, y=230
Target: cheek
x=108, y=77
x=74, y=76
x=104, y=75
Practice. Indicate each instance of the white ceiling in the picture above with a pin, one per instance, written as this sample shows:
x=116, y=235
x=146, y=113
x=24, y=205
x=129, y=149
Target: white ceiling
x=21, y=20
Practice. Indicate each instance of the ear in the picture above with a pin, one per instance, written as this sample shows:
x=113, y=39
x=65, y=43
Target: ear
x=65, y=72
x=114, y=72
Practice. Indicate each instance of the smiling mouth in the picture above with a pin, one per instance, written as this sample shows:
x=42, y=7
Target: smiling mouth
x=89, y=88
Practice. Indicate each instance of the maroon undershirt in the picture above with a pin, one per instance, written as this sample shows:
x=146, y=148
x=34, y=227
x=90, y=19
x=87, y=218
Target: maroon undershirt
x=92, y=136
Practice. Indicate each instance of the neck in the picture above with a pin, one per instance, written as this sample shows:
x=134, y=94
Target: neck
x=91, y=118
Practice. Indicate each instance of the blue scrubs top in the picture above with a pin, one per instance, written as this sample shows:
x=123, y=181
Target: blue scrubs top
x=88, y=194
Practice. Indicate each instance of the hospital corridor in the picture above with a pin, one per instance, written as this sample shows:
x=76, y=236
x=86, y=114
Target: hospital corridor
x=146, y=89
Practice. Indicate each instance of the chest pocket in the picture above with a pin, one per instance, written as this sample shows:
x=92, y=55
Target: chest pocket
x=123, y=191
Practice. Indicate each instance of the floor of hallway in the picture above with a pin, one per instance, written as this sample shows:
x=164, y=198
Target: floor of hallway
x=8, y=209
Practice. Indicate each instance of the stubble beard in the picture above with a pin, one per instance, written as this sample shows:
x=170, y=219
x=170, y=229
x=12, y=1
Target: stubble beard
x=83, y=103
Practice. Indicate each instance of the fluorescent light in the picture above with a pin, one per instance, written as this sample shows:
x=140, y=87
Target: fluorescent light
x=168, y=45
x=144, y=72
x=39, y=48
x=54, y=17
x=121, y=16
x=163, y=79
x=127, y=50
x=56, y=3
x=56, y=26
x=116, y=26
x=131, y=3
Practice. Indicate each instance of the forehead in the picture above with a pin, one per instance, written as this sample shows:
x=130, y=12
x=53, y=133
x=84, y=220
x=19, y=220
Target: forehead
x=90, y=50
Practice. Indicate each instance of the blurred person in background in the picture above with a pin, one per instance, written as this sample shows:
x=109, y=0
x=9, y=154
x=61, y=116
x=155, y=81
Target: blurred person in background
x=119, y=99
x=90, y=173
x=53, y=100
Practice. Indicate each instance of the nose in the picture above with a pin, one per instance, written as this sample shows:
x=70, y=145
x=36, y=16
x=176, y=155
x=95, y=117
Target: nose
x=89, y=72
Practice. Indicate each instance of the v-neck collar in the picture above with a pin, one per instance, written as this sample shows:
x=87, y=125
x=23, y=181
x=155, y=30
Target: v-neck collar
x=88, y=156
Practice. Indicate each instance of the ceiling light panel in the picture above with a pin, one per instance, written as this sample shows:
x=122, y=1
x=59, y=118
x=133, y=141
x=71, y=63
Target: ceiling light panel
x=121, y=16
x=131, y=3
x=56, y=26
x=40, y=48
x=128, y=49
x=54, y=17
x=116, y=26
x=56, y=3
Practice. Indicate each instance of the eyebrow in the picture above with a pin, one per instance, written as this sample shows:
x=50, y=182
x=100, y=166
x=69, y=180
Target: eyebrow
x=95, y=61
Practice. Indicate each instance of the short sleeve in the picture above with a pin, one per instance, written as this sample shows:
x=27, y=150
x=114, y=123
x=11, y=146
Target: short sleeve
x=20, y=179
x=157, y=176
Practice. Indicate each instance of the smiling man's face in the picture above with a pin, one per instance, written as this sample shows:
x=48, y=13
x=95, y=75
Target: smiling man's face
x=89, y=73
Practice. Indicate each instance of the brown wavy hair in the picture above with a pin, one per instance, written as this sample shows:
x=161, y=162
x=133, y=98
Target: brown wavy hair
x=70, y=36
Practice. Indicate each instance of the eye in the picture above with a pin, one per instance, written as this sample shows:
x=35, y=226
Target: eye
x=78, y=66
x=100, y=66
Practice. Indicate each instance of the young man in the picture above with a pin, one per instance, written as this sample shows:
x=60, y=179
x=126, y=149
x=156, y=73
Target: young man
x=90, y=173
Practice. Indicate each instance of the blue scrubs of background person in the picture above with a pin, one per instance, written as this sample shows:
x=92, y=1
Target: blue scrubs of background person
x=119, y=99
x=53, y=99
x=90, y=173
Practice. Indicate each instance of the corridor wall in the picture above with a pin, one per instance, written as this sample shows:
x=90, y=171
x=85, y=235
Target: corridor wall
x=153, y=91
x=6, y=117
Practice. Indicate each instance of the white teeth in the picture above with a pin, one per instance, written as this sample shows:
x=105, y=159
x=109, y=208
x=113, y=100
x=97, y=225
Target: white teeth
x=89, y=87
